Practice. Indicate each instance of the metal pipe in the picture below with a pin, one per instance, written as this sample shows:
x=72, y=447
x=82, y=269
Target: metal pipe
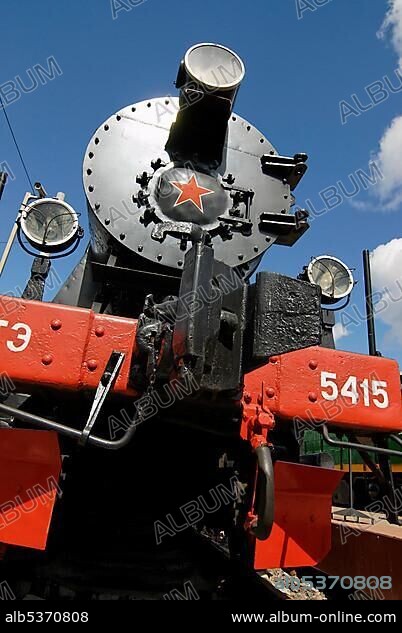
x=40, y=190
x=396, y=439
x=368, y=291
x=350, y=462
x=50, y=425
x=357, y=446
x=265, y=502
x=8, y=247
x=3, y=180
x=13, y=233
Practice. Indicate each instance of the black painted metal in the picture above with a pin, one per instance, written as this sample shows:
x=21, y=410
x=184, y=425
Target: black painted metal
x=328, y=322
x=145, y=155
x=368, y=290
x=265, y=494
x=286, y=315
x=3, y=180
x=193, y=323
x=35, y=287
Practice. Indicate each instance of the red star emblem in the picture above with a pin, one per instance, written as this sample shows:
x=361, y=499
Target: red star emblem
x=191, y=192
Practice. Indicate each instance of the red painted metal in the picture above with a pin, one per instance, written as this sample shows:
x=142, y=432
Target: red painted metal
x=289, y=386
x=30, y=467
x=255, y=420
x=301, y=534
x=68, y=347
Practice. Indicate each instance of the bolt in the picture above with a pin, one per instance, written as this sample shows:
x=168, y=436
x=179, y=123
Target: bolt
x=143, y=179
x=92, y=365
x=270, y=392
x=247, y=398
x=47, y=359
x=155, y=164
x=229, y=179
x=99, y=331
x=273, y=359
x=312, y=396
x=313, y=364
x=300, y=157
x=55, y=324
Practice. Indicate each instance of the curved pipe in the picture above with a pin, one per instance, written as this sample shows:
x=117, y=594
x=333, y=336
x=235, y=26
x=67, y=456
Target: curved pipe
x=396, y=439
x=357, y=446
x=44, y=423
x=266, y=496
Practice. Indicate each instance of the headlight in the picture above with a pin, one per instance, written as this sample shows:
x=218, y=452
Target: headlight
x=49, y=224
x=333, y=276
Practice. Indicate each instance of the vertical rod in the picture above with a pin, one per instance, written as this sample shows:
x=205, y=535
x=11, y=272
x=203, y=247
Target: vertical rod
x=351, y=496
x=6, y=252
x=368, y=291
x=386, y=467
x=8, y=246
x=3, y=180
x=13, y=233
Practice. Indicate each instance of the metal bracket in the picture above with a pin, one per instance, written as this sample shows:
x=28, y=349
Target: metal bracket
x=239, y=195
x=289, y=170
x=106, y=383
x=288, y=227
x=187, y=230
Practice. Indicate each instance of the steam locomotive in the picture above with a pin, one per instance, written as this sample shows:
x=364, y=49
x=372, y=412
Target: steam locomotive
x=166, y=389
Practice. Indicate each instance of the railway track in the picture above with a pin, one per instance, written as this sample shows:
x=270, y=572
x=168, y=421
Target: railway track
x=203, y=570
x=237, y=581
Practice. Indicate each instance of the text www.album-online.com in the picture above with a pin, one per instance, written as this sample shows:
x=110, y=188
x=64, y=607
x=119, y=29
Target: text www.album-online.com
x=338, y=617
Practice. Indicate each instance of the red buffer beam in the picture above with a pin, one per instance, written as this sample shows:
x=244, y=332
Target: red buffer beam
x=61, y=346
x=318, y=384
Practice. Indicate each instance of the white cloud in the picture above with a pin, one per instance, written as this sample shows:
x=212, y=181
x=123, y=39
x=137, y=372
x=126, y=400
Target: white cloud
x=361, y=206
x=389, y=159
x=386, y=269
x=392, y=27
x=339, y=331
x=389, y=190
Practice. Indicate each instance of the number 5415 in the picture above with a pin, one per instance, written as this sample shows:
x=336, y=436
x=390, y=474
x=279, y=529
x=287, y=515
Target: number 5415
x=372, y=391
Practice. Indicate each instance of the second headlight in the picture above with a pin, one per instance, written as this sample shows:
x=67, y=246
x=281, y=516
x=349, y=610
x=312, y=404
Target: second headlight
x=332, y=275
x=49, y=224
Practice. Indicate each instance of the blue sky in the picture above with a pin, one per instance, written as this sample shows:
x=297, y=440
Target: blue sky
x=299, y=69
